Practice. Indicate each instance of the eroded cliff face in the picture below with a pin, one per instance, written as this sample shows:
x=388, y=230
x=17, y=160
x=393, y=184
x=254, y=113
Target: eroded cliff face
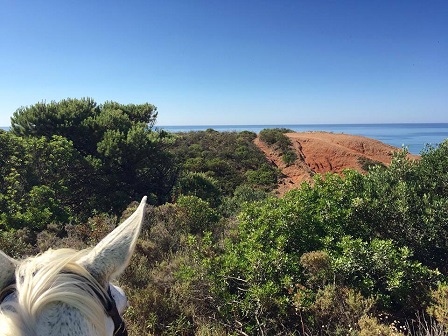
x=322, y=152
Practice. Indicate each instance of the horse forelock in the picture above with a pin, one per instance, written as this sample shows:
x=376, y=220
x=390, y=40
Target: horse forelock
x=50, y=286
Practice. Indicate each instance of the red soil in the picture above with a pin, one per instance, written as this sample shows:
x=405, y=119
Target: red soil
x=322, y=152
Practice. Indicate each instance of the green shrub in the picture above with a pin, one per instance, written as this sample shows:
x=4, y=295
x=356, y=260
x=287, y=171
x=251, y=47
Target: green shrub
x=289, y=157
x=367, y=164
x=275, y=136
x=224, y=156
x=264, y=177
x=339, y=309
x=439, y=305
x=371, y=327
x=243, y=193
x=198, y=215
x=199, y=185
x=382, y=270
x=318, y=268
x=17, y=243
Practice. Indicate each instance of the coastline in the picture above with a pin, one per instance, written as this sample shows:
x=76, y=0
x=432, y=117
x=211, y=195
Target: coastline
x=413, y=136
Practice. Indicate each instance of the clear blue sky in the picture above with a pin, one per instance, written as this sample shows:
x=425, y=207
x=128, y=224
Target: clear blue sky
x=231, y=62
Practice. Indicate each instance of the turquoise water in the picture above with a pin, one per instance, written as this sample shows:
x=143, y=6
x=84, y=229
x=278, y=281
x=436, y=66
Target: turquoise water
x=413, y=136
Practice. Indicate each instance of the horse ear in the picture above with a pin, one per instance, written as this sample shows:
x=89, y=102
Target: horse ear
x=7, y=270
x=111, y=255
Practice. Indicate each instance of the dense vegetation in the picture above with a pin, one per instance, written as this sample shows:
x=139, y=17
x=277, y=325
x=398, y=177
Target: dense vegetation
x=276, y=138
x=219, y=253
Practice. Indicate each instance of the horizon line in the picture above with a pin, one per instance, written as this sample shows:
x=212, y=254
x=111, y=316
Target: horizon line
x=307, y=124
x=289, y=124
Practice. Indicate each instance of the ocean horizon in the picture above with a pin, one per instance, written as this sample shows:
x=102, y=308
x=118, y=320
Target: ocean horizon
x=414, y=136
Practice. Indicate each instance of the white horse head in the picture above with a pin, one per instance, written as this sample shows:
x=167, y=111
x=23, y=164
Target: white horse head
x=66, y=292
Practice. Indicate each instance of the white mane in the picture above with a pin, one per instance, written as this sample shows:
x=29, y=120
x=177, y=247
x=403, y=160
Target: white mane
x=51, y=282
x=67, y=293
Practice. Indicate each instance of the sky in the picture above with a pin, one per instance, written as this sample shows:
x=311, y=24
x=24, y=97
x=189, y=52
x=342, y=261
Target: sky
x=250, y=62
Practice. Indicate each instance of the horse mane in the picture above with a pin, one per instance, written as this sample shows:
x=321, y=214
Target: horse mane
x=54, y=277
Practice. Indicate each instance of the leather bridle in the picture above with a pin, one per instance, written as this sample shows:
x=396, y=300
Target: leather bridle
x=111, y=310
x=110, y=307
x=8, y=290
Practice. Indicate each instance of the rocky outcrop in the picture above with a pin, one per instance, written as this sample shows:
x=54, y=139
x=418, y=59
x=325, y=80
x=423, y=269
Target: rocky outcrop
x=322, y=152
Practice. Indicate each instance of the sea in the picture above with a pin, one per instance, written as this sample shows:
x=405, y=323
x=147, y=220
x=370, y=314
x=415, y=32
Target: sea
x=414, y=136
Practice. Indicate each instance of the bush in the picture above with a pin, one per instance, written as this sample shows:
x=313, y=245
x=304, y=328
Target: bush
x=380, y=269
x=318, y=268
x=264, y=178
x=275, y=136
x=367, y=164
x=371, y=327
x=243, y=193
x=198, y=215
x=224, y=156
x=439, y=305
x=199, y=185
x=16, y=244
x=289, y=157
x=339, y=309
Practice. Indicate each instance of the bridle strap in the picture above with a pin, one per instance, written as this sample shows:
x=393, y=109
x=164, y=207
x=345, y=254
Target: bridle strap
x=112, y=311
x=108, y=303
x=8, y=290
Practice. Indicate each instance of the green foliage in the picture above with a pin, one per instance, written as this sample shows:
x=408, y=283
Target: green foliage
x=122, y=158
x=276, y=137
x=369, y=231
x=338, y=310
x=47, y=173
x=243, y=193
x=80, y=120
x=367, y=164
x=227, y=257
x=255, y=271
x=439, y=304
x=382, y=270
x=198, y=215
x=264, y=177
x=230, y=158
x=199, y=185
x=407, y=203
x=289, y=157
